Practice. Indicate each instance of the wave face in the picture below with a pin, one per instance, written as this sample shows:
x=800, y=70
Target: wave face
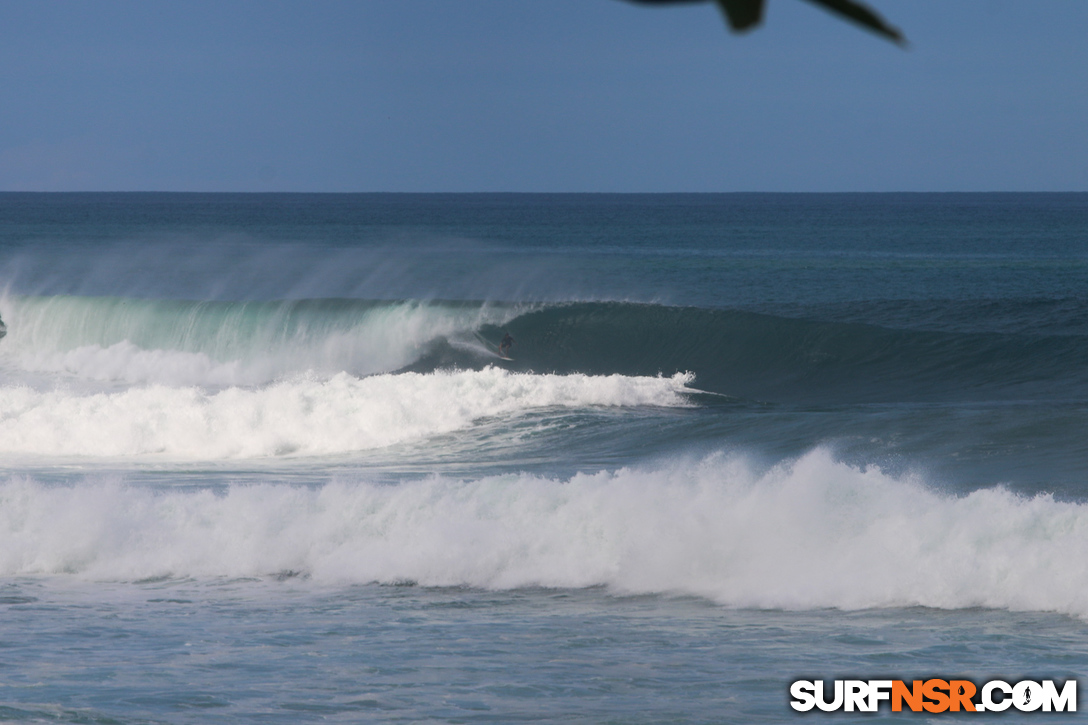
x=808, y=534
x=767, y=357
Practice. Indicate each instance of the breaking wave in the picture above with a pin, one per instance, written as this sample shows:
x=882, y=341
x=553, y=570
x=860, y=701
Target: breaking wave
x=739, y=353
x=809, y=533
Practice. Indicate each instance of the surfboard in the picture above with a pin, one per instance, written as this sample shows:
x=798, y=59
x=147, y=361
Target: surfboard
x=492, y=347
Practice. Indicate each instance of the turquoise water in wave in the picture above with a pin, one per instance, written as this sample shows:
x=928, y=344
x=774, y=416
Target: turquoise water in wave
x=258, y=463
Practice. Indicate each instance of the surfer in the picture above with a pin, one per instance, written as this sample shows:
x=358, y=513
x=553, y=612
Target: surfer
x=504, y=346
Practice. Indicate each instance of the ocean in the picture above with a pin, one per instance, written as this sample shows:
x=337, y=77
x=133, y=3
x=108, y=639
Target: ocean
x=260, y=462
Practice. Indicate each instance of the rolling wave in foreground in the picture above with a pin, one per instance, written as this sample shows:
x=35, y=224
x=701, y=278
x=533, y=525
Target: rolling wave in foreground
x=813, y=533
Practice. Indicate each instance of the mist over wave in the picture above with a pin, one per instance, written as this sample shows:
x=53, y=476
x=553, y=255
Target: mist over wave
x=300, y=416
x=810, y=533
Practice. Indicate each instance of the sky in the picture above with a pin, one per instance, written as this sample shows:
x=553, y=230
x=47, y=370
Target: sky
x=539, y=96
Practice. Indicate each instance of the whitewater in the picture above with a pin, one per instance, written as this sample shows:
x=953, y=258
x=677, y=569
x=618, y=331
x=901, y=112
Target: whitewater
x=259, y=460
x=812, y=534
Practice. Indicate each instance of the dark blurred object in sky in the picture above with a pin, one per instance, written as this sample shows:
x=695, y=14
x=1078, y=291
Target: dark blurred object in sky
x=746, y=14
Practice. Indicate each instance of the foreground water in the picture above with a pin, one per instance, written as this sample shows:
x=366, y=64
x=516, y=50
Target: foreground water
x=260, y=461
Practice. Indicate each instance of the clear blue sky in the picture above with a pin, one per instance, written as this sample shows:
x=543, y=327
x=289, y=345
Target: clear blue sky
x=539, y=95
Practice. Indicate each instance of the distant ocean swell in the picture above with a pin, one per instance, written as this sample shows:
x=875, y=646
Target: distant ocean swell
x=738, y=353
x=806, y=534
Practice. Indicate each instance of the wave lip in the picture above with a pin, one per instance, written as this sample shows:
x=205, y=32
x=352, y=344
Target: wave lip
x=813, y=533
x=303, y=416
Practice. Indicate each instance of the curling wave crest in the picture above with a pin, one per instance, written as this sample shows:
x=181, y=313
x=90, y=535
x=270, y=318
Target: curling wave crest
x=228, y=343
x=807, y=534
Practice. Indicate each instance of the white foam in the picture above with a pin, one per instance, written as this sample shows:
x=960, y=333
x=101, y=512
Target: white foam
x=302, y=416
x=813, y=534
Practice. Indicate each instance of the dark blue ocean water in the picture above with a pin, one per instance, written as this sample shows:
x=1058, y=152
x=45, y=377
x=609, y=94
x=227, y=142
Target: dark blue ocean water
x=260, y=461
